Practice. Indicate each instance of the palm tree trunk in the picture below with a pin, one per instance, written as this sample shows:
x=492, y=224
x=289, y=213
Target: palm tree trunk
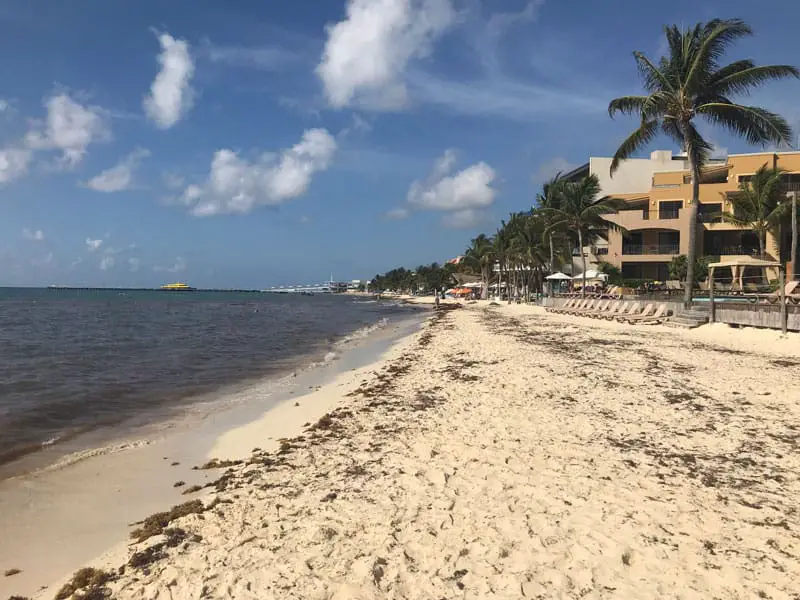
x=762, y=244
x=583, y=261
x=552, y=256
x=795, y=270
x=691, y=254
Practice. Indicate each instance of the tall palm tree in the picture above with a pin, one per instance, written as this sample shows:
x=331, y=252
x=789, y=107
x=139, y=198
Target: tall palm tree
x=581, y=212
x=481, y=256
x=549, y=199
x=795, y=217
x=759, y=205
x=690, y=82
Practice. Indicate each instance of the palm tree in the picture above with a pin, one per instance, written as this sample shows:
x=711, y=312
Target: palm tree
x=480, y=256
x=581, y=212
x=795, y=217
x=689, y=83
x=759, y=205
x=549, y=199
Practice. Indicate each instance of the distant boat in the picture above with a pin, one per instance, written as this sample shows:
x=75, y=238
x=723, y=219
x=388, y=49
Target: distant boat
x=177, y=287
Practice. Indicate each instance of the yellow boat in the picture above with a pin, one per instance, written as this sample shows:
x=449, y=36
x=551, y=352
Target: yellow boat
x=177, y=287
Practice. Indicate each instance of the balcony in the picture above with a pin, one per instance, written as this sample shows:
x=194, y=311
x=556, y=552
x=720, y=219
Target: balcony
x=650, y=249
x=669, y=213
x=633, y=220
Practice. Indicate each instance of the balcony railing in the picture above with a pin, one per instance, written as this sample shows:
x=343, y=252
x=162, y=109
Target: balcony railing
x=733, y=251
x=646, y=249
x=709, y=218
x=669, y=213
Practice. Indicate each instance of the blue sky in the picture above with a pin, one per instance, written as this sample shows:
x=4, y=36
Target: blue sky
x=248, y=143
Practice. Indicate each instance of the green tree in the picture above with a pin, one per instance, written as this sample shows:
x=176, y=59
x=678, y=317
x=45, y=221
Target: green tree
x=549, y=198
x=759, y=205
x=679, y=266
x=690, y=82
x=480, y=256
x=581, y=212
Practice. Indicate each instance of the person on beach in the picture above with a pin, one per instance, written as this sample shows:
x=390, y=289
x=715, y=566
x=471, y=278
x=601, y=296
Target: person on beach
x=436, y=301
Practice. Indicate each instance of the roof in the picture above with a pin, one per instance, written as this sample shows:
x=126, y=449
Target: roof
x=747, y=261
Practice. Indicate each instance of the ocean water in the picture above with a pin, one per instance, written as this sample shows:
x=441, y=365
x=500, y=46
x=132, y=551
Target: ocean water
x=73, y=361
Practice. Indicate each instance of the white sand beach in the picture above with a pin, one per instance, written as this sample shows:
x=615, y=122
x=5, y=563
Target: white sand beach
x=507, y=453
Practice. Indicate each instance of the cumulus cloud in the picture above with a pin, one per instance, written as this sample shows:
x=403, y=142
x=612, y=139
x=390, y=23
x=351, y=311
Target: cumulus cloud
x=397, y=214
x=34, y=236
x=366, y=54
x=236, y=185
x=93, y=245
x=107, y=262
x=171, y=94
x=119, y=177
x=13, y=163
x=551, y=168
x=177, y=267
x=173, y=181
x=470, y=188
x=465, y=219
x=69, y=127
x=134, y=264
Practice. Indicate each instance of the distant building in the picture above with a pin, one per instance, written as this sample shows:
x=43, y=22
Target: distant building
x=659, y=189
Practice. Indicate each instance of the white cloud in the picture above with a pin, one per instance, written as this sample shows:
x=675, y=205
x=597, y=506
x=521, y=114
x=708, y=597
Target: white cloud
x=236, y=185
x=134, y=264
x=34, y=236
x=93, y=245
x=465, y=219
x=366, y=54
x=177, y=267
x=171, y=95
x=267, y=57
x=499, y=22
x=397, y=214
x=4, y=105
x=13, y=163
x=108, y=262
x=551, y=168
x=76, y=262
x=70, y=127
x=119, y=177
x=173, y=181
x=470, y=188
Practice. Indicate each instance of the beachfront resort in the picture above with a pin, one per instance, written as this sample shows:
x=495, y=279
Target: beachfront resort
x=602, y=402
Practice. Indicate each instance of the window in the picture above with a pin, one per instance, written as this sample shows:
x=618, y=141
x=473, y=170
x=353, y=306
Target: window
x=670, y=209
x=709, y=213
x=687, y=179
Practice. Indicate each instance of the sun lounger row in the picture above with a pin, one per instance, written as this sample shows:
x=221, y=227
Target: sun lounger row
x=612, y=292
x=614, y=310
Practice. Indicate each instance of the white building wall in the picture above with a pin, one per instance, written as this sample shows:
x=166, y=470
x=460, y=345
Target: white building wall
x=634, y=175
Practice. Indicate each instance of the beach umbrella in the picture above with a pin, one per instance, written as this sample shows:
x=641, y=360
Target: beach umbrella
x=558, y=276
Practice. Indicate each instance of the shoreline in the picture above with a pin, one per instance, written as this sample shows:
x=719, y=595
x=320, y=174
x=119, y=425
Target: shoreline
x=62, y=516
x=502, y=451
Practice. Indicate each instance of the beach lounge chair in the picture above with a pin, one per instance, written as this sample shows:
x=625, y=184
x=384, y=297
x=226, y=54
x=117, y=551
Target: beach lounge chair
x=581, y=303
x=662, y=313
x=589, y=309
x=609, y=309
x=566, y=306
x=629, y=308
x=587, y=305
x=599, y=308
x=631, y=318
x=615, y=309
x=792, y=291
x=553, y=309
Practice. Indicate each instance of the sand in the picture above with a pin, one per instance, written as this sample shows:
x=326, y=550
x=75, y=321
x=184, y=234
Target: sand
x=507, y=453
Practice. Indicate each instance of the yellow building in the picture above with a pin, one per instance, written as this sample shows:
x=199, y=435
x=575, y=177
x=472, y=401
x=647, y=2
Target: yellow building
x=657, y=219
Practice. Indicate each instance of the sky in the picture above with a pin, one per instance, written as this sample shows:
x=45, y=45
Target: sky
x=251, y=143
